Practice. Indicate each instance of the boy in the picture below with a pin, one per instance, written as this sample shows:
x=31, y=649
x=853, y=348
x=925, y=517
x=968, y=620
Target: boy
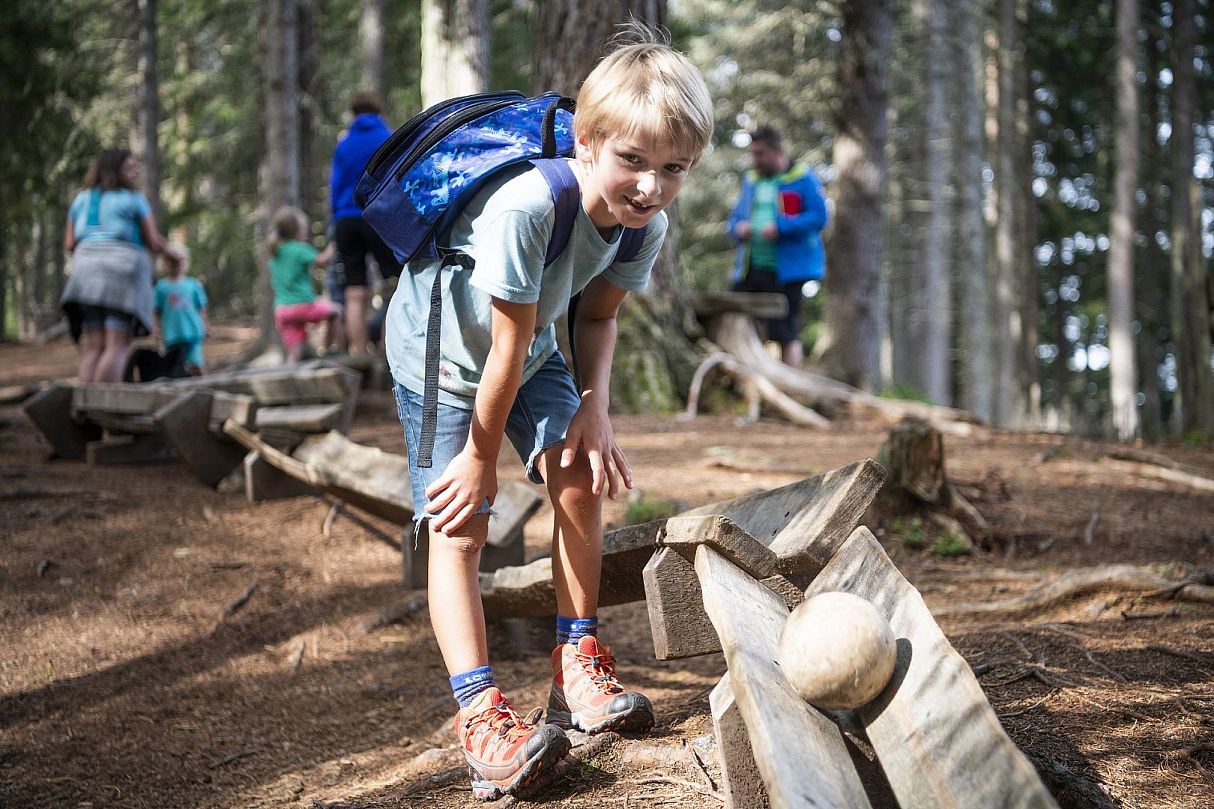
x=181, y=312
x=643, y=119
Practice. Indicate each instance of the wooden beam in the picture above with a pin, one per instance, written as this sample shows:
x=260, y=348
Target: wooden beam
x=309, y=418
x=50, y=411
x=762, y=305
x=264, y=481
x=938, y=739
x=802, y=522
x=799, y=752
x=740, y=781
x=677, y=621
x=185, y=424
x=135, y=449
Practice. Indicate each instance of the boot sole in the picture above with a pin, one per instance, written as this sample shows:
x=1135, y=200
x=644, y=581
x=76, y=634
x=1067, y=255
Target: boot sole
x=639, y=720
x=486, y=790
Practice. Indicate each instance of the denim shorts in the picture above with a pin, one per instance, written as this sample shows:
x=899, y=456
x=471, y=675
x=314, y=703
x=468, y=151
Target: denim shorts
x=539, y=419
x=96, y=318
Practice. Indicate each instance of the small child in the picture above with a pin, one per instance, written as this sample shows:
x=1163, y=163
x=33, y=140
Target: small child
x=181, y=311
x=643, y=119
x=295, y=301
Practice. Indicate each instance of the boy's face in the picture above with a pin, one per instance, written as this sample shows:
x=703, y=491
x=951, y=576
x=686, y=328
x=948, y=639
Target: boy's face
x=628, y=180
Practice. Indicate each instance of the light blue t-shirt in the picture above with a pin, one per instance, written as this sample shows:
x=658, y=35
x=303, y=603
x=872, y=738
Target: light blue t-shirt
x=505, y=228
x=116, y=214
x=178, y=304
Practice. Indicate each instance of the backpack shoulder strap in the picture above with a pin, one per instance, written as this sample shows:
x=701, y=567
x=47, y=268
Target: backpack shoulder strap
x=566, y=195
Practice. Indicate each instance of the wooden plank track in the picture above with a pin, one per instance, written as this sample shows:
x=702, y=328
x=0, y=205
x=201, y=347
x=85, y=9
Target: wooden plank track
x=802, y=522
x=799, y=752
x=938, y=739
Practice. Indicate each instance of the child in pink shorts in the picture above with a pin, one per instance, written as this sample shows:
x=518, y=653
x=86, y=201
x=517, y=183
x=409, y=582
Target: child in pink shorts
x=295, y=301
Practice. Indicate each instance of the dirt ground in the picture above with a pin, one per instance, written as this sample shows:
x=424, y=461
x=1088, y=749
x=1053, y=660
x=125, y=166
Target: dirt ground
x=123, y=684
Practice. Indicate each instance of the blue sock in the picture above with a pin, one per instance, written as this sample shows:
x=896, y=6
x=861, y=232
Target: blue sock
x=470, y=684
x=571, y=630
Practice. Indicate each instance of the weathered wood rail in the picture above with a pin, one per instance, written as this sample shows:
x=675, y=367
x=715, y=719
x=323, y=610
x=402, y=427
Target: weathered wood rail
x=183, y=419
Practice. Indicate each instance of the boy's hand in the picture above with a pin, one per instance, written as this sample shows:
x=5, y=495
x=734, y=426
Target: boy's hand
x=591, y=431
x=460, y=490
x=743, y=231
x=769, y=232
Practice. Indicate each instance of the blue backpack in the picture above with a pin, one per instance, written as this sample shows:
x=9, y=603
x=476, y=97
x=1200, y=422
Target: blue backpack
x=418, y=181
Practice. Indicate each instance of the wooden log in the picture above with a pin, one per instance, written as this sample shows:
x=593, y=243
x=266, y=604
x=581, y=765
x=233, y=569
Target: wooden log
x=677, y=621
x=50, y=410
x=805, y=522
x=135, y=449
x=123, y=423
x=759, y=389
x=761, y=305
x=736, y=334
x=800, y=753
x=802, y=522
x=740, y=781
x=309, y=418
x=263, y=481
x=117, y=398
x=938, y=739
x=185, y=424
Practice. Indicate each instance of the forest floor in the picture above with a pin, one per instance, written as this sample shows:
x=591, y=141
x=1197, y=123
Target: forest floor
x=122, y=684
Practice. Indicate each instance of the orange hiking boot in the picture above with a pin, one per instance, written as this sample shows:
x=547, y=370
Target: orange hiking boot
x=587, y=696
x=505, y=751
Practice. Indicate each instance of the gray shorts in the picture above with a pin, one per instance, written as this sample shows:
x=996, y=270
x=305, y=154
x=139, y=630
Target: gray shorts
x=539, y=419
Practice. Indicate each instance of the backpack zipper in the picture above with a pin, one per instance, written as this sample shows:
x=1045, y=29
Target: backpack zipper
x=384, y=152
x=453, y=123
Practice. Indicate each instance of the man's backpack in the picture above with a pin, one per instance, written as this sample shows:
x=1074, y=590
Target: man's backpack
x=418, y=181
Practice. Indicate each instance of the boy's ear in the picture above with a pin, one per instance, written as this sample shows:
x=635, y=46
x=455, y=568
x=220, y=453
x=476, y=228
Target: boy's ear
x=584, y=149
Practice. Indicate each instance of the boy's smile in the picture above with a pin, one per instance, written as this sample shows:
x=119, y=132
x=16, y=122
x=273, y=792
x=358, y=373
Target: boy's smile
x=628, y=181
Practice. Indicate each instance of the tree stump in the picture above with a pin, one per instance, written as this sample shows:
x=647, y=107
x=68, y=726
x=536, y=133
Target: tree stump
x=914, y=457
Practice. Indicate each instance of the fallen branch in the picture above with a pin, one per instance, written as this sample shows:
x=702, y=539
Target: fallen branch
x=781, y=402
x=1079, y=582
x=1170, y=475
x=240, y=601
x=566, y=766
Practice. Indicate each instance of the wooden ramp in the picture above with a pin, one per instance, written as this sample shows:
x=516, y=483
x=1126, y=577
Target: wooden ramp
x=378, y=482
x=829, y=506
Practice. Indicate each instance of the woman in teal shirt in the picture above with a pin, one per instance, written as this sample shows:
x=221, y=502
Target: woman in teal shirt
x=110, y=236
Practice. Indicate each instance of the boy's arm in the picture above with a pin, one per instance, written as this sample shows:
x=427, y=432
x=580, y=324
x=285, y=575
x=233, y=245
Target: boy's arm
x=594, y=336
x=472, y=475
x=739, y=217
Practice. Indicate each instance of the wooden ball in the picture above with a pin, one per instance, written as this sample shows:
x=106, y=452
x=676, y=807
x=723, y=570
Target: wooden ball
x=837, y=650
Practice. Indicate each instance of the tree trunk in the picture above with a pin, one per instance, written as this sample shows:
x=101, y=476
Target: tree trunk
x=1122, y=387
x=929, y=293
x=855, y=315
x=1007, y=313
x=1190, y=311
x=1150, y=266
x=654, y=359
x=371, y=46
x=582, y=27
x=1029, y=378
x=313, y=166
x=279, y=175
x=146, y=142
x=975, y=362
x=455, y=49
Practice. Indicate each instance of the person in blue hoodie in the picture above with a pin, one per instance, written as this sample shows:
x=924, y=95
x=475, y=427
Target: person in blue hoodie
x=777, y=224
x=355, y=239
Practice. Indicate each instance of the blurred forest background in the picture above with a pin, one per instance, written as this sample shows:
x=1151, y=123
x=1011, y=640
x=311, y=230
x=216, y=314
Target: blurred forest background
x=1022, y=190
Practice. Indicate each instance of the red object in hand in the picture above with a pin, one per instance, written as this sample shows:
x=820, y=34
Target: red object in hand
x=790, y=203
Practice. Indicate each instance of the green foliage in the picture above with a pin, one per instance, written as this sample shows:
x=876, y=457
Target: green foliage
x=1197, y=439
x=951, y=544
x=904, y=392
x=913, y=534
x=645, y=510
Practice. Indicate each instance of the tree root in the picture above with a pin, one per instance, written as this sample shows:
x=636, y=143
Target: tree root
x=762, y=389
x=1081, y=582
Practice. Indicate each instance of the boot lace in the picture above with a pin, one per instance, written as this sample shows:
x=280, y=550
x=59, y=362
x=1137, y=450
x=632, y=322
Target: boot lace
x=601, y=669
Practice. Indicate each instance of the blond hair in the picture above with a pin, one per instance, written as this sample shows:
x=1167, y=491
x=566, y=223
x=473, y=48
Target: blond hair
x=288, y=224
x=645, y=87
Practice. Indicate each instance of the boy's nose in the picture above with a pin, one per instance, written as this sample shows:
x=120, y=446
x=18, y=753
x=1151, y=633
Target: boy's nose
x=647, y=184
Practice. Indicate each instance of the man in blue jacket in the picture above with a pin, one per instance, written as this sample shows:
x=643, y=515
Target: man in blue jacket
x=777, y=223
x=353, y=236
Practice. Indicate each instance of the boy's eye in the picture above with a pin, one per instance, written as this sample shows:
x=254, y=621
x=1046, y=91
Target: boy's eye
x=630, y=159
x=675, y=168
